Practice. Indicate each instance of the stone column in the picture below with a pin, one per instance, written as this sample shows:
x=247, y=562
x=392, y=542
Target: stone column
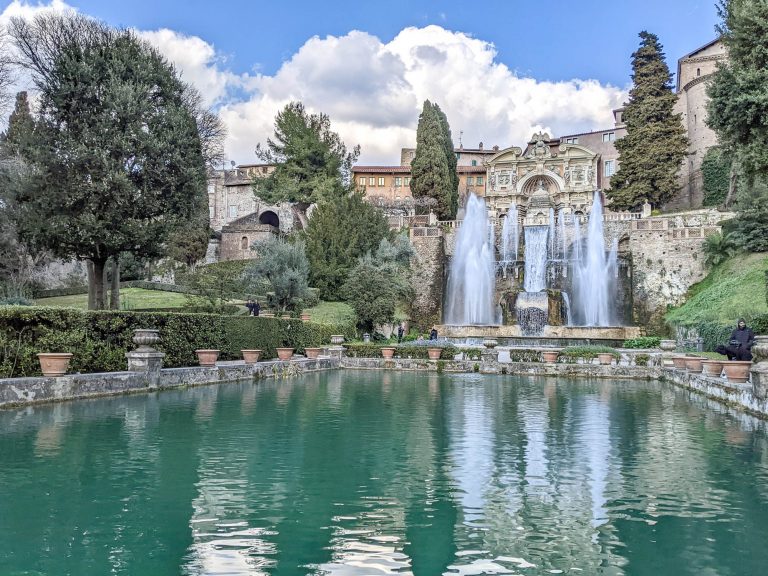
x=145, y=358
x=759, y=369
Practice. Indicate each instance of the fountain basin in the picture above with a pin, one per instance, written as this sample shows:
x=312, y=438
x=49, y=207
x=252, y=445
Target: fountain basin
x=551, y=336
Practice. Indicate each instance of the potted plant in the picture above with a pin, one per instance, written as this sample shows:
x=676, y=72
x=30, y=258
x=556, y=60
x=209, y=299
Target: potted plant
x=54, y=363
x=251, y=356
x=207, y=357
x=737, y=371
x=388, y=352
x=284, y=353
x=712, y=367
x=550, y=356
x=693, y=364
x=312, y=353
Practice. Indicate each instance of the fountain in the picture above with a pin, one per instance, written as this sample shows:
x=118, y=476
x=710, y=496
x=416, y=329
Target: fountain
x=569, y=279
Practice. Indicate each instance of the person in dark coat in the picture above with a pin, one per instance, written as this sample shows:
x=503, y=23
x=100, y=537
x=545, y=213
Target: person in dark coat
x=256, y=308
x=249, y=306
x=433, y=334
x=740, y=344
x=400, y=332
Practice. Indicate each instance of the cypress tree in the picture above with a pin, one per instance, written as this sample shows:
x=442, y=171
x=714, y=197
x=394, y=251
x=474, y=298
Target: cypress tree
x=655, y=145
x=21, y=126
x=433, y=170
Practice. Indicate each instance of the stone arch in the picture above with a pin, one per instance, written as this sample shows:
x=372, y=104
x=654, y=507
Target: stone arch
x=529, y=183
x=269, y=217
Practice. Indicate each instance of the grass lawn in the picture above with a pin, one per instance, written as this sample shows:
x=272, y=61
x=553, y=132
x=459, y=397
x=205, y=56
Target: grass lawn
x=130, y=299
x=734, y=289
x=332, y=313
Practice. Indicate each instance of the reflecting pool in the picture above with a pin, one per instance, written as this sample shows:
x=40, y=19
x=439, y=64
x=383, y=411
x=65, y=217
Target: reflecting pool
x=369, y=473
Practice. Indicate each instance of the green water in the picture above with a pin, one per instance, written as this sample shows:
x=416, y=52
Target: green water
x=369, y=473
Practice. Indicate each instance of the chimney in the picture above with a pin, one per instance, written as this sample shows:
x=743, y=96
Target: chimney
x=480, y=146
x=496, y=148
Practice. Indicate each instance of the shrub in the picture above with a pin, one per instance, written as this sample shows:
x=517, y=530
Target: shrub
x=367, y=350
x=643, y=342
x=100, y=339
x=588, y=352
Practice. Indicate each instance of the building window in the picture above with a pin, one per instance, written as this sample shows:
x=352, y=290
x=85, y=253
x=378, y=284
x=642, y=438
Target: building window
x=398, y=181
x=474, y=162
x=571, y=140
x=479, y=180
x=381, y=181
x=609, y=136
x=407, y=180
x=361, y=181
x=608, y=168
x=211, y=212
x=371, y=181
x=211, y=188
x=233, y=210
x=698, y=71
x=470, y=181
x=458, y=155
x=244, y=243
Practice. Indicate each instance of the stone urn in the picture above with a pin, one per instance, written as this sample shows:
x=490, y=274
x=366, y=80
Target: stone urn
x=737, y=371
x=251, y=356
x=388, y=352
x=760, y=349
x=679, y=362
x=207, y=357
x=284, y=353
x=550, y=356
x=146, y=338
x=490, y=343
x=337, y=339
x=54, y=363
x=605, y=358
x=306, y=317
x=712, y=367
x=312, y=353
x=693, y=364
x=434, y=353
x=668, y=345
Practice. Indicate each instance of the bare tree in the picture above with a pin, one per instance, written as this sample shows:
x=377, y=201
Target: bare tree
x=6, y=71
x=209, y=126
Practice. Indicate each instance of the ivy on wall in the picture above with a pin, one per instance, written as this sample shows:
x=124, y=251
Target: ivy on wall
x=716, y=174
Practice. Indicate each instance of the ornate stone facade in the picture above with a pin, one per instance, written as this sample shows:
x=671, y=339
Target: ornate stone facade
x=547, y=174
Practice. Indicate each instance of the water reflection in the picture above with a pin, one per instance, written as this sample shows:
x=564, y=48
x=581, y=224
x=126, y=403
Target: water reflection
x=368, y=473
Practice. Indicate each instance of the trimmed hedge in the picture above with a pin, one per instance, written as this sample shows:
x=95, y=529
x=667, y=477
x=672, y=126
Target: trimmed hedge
x=100, y=339
x=642, y=342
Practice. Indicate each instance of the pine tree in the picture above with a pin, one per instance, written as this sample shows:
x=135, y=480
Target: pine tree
x=738, y=92
x=433, y=170
x=654, y=147
x=21, y=126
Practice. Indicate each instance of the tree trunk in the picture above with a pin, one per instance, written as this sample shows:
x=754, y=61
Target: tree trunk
x=114, y=289
x=96, y=284
x=731, y=188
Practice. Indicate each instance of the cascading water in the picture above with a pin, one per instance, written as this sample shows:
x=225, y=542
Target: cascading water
x=594, y=272
x=551, y=237
x=561, y=234
x=510, y=239
x=535, y=258
x=472, y=277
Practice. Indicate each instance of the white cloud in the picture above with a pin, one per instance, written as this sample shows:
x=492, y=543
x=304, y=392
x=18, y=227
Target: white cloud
x=373, y=91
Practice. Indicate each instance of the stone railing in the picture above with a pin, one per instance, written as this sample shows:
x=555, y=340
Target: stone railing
x=621, y=216
x=426, y=231
x=650, y=224
x=703, y=232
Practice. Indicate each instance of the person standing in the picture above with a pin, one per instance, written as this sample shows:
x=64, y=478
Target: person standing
x=256, y=308
x=249, y=306
x=400, y=331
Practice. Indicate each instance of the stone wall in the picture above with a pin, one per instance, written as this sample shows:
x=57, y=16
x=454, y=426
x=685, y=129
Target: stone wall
x=427, y=268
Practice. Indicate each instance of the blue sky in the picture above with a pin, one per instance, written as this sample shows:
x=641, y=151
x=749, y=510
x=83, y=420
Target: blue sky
x=500, y=68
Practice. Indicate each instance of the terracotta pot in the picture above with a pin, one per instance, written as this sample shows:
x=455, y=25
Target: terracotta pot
x=284, y=353
x=305, y=317
x=605, y=358
x=434, y=353
x=207, y=357
x=737, y=371
x=388, y=353
x=712, y=367
x=251, y=356
x=54, y=363
x=312, y=352
x=693, y=364
x=679, y=362
x=550, y=356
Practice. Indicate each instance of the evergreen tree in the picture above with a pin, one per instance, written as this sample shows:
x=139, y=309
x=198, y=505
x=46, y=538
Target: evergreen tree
x=738, y=92
x=21, y=127
x=116, y=159
x=433, y=170
x=281, y=269
x=312, y=162
x=340, y=231
x=655, y=144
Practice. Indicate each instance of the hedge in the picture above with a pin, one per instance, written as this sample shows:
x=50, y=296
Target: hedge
x=100, y=339
x=146, y=285
x=714, y=333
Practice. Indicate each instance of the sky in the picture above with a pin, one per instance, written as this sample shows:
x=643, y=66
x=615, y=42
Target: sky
x=501, y=69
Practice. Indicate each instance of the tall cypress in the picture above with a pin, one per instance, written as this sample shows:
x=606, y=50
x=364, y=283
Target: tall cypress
x=434, y=164
x=653, y=149
x=21, y=126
